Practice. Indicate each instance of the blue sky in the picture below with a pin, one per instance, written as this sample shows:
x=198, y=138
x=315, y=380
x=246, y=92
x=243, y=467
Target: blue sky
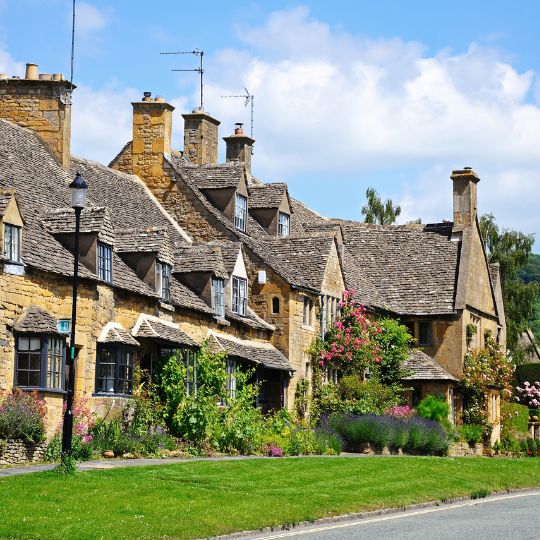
x=388, y=94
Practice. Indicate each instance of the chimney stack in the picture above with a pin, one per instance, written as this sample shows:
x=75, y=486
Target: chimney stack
x=239, y=146
x=465, y=196
x=200, y=137
x=152, y=127
x=42, y=103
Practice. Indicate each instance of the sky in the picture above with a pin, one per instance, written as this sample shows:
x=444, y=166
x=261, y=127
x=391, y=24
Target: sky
x=347, y=95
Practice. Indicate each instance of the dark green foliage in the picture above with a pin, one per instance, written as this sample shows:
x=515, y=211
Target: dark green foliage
x=328, y=442
x=527, y=372
x=511, y=249
x=433, y=408
x=530, y=273
x=67, y=466
x=394, y=343
x=378, y=211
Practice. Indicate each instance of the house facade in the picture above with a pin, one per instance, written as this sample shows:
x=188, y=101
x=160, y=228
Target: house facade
x=178, y=249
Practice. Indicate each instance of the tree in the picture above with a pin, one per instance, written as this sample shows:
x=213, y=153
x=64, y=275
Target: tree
x=378, y=211
x=511, y=249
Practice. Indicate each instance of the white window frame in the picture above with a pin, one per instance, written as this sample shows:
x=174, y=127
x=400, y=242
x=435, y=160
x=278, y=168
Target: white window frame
x=240, y=212
x=239, y=295
x=12, y=242
x=218, y=297
x=284, y=224
x=163, y=280
x=104, y=255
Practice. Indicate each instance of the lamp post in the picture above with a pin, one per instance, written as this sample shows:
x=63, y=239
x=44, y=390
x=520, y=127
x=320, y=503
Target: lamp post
x=78, y=198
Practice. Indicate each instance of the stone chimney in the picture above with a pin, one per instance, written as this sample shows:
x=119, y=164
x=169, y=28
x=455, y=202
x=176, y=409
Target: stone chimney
x=239, y=147
x=41, y=102
x=465, y=196
x=200, y=137
x=152, y=127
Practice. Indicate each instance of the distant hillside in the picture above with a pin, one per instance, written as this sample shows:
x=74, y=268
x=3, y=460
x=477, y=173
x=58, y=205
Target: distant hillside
x=529, y=274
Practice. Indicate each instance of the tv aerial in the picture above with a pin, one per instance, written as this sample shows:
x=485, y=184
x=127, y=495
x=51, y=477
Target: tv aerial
x=199, y=70
x=248, y=100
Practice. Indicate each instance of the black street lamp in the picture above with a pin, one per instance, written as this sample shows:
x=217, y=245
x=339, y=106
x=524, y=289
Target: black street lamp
x=78, y=198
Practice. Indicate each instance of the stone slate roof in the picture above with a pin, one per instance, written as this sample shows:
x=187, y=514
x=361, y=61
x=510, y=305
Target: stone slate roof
x=413, y=267
x=149, y=240
x=152, y=327
x=425, y=368
x=301, y=215
x=229, y=252
x=221, y=176
x=302, y=261
x=250, y=319
x=93, y=220
x=200, y=258
x=5, y=197
x=251, y=351
x=36, y=320
x=184, y=297
x=267, y=195
x=114, y=333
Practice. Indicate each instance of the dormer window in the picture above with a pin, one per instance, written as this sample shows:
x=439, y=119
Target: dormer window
x=104, y=262
x=218, y=304
x=284, y=224
x=239, y=299
x=163, y=280
x=12, y=244
x=240, y=212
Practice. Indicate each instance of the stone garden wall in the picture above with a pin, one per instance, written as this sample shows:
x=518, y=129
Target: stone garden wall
x=14, y=452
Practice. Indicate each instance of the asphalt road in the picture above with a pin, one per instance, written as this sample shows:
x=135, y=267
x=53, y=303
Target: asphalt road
x=513, y=516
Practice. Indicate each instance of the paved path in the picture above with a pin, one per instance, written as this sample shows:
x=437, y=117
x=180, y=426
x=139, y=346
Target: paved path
x=118, y=463
x=513, y=515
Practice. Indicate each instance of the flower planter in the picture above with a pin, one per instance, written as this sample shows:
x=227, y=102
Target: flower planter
x=15, y=452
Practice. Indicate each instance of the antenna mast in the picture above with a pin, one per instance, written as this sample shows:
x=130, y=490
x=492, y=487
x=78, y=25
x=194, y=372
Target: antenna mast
x=199, y=70
x=249, y=98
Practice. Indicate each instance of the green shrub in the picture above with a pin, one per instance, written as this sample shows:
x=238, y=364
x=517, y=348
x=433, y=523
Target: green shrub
x=433, y=408
x=302, y=442
x=472, y=433
x=534, y=412
x=328, y=442
x=240, y=429
x=514, y=418
x=22, y=416
x=527, y=372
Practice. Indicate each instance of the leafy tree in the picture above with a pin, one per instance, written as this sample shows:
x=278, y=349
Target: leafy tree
x=531, y=274
x=378, y=211
x=511, y=249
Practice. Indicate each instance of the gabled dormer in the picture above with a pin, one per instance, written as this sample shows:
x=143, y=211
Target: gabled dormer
x=201, y=268
x=148, y=252
x=269, y=205
x=96, y=239
x=225, y=186
x=11, y=230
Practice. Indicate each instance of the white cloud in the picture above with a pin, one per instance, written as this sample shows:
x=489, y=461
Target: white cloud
x=89, y=18
x=10, y=66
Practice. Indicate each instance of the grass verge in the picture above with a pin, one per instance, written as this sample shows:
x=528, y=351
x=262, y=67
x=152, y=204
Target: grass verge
x=200, y=499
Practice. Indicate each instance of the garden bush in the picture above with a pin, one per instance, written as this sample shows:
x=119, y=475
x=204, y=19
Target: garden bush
x=302, y=442
x=413, y=434
x=22, y=416
x=433, y=408
x=472, y=433
x=514, y=419
x=328, y=442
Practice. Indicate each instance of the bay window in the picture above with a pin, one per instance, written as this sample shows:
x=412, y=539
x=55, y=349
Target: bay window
x=114, y=370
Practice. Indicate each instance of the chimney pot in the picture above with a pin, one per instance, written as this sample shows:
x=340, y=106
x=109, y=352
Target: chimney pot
x=45, y=77
x=31, y=72
x=3, y=76
x=238, y=129
x=160, y=99
x=197, y=110
x=147, y=96
x=57, y=77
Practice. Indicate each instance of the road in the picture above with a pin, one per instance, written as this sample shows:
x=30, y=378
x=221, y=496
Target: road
x=514, y=516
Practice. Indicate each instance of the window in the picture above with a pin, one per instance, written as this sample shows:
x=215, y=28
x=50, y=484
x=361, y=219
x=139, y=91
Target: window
x=410, y=327
x=114, y=372
x=189, y=359
x=12, y=236
x=40, y=362
x=308, y=307
x=283, y=224
x=231, y=367
x=239, y=295
x=275, y=305
x=425, y=337
x=163, y=280
x=217, y=297
x=240, y=212
x=105, y=262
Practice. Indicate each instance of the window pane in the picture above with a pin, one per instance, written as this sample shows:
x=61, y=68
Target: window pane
x=11, y=242
x=165, y=282
x=24, y=344
x=240, y=212
x=125, y=371
x=424, y=333
x=217, y=297
x=55, y=363
x=105, y=262
x=239, y=296
x=106, y=371
x=283, y=226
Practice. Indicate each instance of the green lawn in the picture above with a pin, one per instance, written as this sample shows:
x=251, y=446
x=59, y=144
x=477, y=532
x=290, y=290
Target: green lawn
x=198, y=499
